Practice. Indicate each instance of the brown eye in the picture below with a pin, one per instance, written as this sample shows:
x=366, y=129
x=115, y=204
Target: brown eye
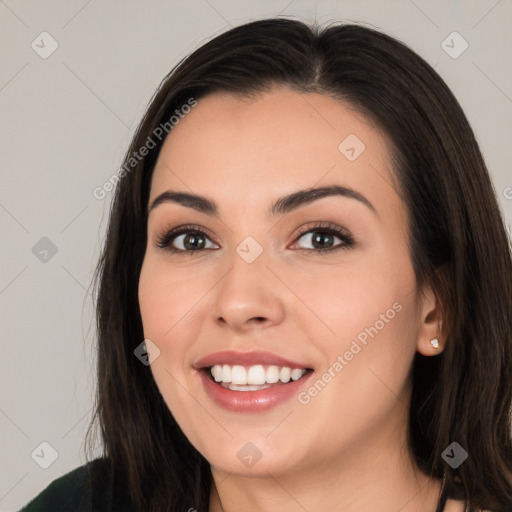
x=193, y=240
x=322, y=238
x=184, y=239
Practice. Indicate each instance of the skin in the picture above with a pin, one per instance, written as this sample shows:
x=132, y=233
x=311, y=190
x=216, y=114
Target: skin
x=346, y=449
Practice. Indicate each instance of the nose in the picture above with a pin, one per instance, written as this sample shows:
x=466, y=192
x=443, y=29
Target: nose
x=249, y=295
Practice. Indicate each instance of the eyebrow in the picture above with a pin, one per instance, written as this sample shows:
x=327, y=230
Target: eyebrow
x=283, y=205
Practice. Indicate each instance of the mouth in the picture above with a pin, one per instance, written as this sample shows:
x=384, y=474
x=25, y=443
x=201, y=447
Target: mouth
x=255, y=377
x=252, y=382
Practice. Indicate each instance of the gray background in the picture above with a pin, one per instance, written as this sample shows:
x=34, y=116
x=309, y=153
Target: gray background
x=66, y=122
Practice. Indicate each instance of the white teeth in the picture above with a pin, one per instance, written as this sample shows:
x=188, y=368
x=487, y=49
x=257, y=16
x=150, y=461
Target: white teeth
x=272, y=374
x=285, y=374
x=217, y=373
x=238, y=375
x=226, y=373
x=234, y=387
x=256, y=375
x=296, y=374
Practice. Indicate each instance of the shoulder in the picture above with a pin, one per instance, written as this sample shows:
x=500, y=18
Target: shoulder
x=84, y=489
x=64, y=493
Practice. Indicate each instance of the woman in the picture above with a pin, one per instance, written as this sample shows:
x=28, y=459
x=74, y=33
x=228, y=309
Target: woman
x=304, y=297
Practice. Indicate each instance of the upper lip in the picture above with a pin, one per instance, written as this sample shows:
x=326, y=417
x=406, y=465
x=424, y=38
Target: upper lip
x=232, y=357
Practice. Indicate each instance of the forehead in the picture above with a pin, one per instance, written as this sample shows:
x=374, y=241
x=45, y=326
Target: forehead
x=239, y=149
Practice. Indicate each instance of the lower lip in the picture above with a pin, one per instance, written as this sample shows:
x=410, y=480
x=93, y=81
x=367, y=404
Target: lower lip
x=252, y=401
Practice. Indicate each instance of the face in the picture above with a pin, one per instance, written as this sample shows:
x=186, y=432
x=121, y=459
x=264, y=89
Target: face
x=246, y=279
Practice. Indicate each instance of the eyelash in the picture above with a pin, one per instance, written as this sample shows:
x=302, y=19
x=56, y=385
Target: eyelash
x=164, y=240
x=326, y=227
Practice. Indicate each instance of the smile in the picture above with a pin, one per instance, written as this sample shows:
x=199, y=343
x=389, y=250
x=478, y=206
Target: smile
x=252, y=378
x=247, y=398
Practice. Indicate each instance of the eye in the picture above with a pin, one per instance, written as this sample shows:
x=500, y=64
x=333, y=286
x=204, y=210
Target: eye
x=322, y=236
x=184, y=239
x=192, y=239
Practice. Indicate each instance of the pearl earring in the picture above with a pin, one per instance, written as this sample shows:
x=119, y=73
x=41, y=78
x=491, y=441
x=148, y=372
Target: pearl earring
x=435, y=343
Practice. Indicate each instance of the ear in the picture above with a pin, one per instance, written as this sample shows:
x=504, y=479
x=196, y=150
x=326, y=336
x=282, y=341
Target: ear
x=431, y=323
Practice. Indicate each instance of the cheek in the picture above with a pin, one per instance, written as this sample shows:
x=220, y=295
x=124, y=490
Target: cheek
x=367, y=357
x=377, y=330
x=365, y=312
x=156, y=304
x=356, y=294
x=165, y=297
x=162, y=302
x=172, y=309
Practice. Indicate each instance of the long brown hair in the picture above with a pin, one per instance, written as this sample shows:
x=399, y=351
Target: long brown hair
x=458, y=244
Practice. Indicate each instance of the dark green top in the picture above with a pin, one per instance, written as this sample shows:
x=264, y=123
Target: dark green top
x=75, y=492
